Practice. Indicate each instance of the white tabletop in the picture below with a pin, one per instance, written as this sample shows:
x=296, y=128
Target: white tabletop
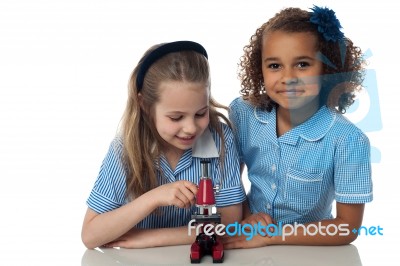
x=271, y=256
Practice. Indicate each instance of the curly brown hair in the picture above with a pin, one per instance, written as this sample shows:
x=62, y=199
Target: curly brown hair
x=343, y=65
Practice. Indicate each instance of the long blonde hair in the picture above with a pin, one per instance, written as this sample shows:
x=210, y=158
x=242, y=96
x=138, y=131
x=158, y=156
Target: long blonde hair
x=141, y=140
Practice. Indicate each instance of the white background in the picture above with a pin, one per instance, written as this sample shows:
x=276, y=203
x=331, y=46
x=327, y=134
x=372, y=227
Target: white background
x=64, y=69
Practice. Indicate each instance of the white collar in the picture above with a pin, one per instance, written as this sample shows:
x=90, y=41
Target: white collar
x=205, y=146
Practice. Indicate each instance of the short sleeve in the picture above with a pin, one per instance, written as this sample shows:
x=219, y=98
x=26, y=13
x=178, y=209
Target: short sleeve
x=232, y=191
x=109, y=190
x=353, y=182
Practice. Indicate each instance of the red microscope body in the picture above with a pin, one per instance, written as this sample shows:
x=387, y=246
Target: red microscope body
x=205, y=201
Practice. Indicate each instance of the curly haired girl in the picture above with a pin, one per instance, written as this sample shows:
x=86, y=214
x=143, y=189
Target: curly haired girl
x=298, y=75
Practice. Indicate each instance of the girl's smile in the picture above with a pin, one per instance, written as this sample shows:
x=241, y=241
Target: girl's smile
x=181, y=114
x=291, y=92
x=187, y=141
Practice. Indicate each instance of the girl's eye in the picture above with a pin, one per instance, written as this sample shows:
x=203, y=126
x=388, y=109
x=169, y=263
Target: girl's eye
x=303, y=64
x=201, y=115
x=175, y=118
x=273, y=66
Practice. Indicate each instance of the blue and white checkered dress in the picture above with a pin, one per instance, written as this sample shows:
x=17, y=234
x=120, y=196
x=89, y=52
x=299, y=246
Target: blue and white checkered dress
x=296, y=177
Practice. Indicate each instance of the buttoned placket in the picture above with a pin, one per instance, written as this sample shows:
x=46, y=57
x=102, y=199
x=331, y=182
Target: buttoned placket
x=275, y=181
x=271, y=141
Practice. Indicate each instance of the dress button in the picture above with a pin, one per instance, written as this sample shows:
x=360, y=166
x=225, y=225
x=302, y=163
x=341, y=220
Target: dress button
x=273, y=186
x=273, y=168
x=268, y=206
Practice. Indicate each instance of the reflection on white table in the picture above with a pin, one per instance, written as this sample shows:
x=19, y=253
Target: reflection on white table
x=271, y=256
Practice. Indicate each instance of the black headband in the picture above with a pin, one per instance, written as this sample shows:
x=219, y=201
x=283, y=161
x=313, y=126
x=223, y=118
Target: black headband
x=164, y=49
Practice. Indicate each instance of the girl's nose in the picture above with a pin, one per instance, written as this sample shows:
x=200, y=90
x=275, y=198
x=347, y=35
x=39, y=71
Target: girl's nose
x=289, y=81
x=189, y=127
x=288, y=77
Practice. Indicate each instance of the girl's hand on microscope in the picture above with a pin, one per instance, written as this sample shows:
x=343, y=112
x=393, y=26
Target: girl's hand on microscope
x=181, y=194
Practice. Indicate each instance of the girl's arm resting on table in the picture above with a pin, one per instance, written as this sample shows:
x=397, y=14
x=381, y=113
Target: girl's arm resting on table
x=350, y=215
x=100, y=229
x=144, y=238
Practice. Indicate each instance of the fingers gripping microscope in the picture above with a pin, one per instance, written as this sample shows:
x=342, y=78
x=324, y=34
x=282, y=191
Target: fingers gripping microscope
x=206, y=242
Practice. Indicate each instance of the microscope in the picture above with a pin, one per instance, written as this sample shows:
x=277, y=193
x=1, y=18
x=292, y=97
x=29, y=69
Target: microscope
x=206, y=243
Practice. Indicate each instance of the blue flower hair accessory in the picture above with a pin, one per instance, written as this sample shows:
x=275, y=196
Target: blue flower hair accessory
x=328, y=25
